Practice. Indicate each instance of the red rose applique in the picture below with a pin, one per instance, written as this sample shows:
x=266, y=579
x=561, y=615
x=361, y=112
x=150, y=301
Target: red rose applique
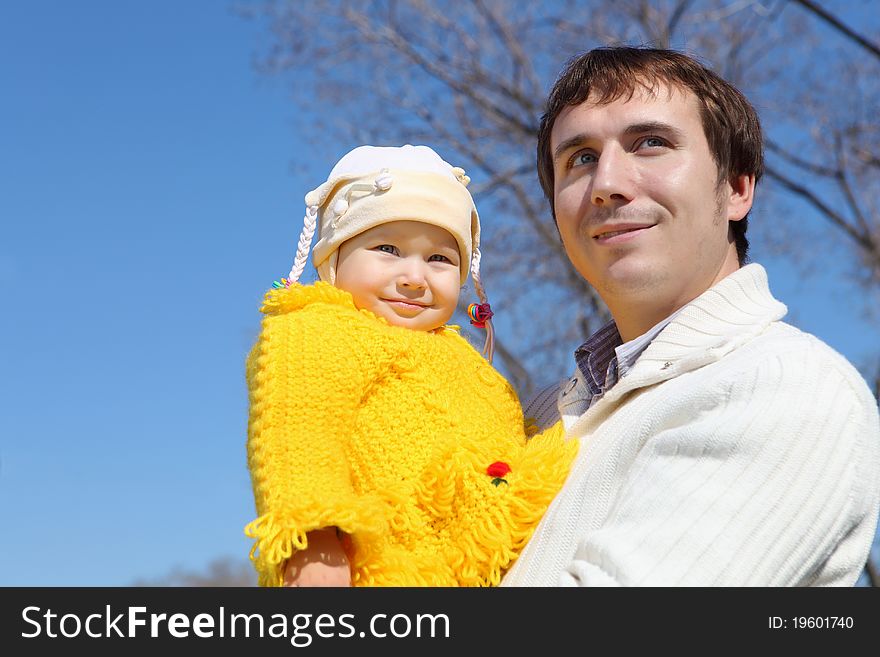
x=497, y=470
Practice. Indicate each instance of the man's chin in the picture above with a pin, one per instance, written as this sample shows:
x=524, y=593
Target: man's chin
x=625, y=280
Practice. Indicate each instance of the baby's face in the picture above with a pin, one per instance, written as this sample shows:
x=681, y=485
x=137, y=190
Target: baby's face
x=405, y=271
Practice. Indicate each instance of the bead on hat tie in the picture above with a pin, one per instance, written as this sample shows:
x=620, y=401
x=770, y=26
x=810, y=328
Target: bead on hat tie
x=383, y=181
x=479, y=314
x=461, y=176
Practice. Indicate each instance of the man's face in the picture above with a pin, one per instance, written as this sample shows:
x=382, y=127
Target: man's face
x=638, y=205
x=405, y=271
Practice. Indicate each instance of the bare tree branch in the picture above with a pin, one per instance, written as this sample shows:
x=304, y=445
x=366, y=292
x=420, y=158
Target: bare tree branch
x=867, y=157
x=501, y=179
x=843, y=183
x=523, y=64
x=393, y=36
x=863, y=241
x=225, y=571
x=677, y=14
x=838, y=25
x=469, y=76
x=773, y=147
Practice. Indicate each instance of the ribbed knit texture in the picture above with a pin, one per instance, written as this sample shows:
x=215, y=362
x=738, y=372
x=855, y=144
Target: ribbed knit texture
x=738, y=451
x=387, y=433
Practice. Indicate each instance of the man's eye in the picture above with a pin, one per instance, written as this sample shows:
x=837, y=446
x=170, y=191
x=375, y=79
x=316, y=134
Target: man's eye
x=581, y=159
x=387, y=248
x=652, y=142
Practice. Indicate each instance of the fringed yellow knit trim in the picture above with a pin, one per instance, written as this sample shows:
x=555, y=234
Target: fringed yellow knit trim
x=377, y=560
x=279, y=533
x=387, y=561
x=390, y=564
x=286, y=299
x=506, y=517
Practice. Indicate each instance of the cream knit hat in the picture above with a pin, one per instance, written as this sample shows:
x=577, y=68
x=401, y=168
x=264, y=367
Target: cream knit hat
x=374, y=185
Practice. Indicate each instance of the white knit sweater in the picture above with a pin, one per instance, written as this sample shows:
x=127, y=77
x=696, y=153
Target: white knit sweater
x=738, y=451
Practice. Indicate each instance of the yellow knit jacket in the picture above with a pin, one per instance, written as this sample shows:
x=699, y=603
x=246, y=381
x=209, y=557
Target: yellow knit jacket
x=387, y=433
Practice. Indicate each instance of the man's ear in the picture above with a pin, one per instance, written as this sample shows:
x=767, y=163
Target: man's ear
x=741, y=194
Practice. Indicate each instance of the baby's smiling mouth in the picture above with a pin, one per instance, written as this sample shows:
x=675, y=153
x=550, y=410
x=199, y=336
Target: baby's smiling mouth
x=407, y=303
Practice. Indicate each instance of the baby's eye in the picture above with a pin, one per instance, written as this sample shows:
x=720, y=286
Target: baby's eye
x=437, y=257
x=387, y=248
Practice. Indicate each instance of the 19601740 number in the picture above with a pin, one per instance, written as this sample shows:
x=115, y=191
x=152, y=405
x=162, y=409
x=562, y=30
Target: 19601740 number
x=811, y=622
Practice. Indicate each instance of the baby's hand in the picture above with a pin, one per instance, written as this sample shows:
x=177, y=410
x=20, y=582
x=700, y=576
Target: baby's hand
x=322, y=563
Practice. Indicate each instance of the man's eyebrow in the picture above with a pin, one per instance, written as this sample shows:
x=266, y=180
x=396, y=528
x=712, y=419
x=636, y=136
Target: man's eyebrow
x=653, y=126
x=634, y=129
x=571, y=142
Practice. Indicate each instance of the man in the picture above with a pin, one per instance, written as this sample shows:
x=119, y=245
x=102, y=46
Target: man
x=719, y=445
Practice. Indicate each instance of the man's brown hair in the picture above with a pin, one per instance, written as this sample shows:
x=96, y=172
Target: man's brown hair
x=729, y=121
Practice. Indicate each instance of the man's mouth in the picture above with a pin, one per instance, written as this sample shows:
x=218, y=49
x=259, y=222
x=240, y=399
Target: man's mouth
x=605, y=234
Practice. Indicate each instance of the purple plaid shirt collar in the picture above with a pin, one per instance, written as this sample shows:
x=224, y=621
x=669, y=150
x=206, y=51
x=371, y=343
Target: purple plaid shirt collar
x=604, y=357
x=594, y=357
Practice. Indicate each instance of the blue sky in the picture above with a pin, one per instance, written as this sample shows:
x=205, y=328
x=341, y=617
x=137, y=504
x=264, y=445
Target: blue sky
x=151, y=188
x=147, y=200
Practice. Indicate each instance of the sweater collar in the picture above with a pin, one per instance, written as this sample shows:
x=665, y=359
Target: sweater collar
x=730, y=313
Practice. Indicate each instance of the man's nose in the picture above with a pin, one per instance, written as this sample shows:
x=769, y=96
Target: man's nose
x=612, y=179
